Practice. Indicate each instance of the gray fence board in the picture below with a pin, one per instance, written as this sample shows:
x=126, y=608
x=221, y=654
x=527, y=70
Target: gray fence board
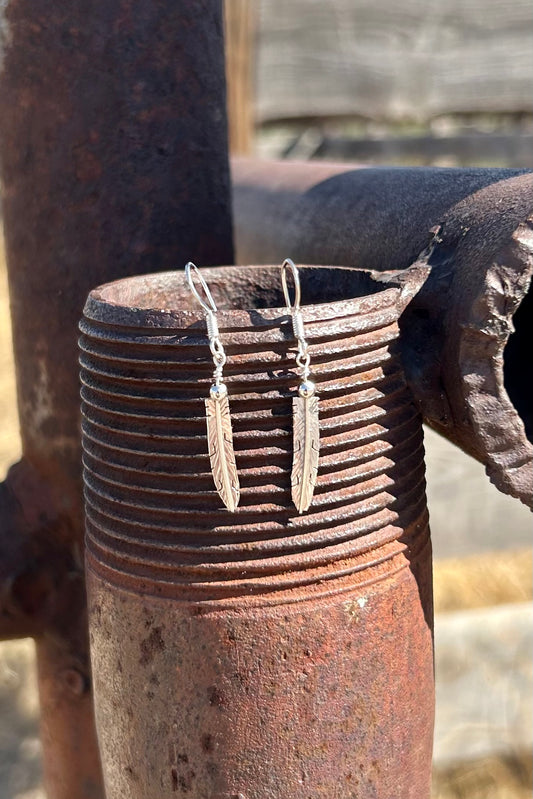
x=414, y=59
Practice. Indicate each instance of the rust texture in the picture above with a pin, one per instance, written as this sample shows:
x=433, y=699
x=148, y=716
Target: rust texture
x=466, y=336
x=262, y=653
x=113, y=151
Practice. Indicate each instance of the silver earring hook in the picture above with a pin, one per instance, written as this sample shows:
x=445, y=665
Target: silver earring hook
x=287, y=266
x=192, y=271
x=210, y=308
x=302, y=359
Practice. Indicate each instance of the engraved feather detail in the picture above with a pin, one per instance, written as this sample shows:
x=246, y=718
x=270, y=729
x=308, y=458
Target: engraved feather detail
x=306, y=444
x=221, y=453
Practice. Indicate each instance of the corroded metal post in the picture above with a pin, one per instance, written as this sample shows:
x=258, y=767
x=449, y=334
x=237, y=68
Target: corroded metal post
x=261, y=653
x=466, y=336
x=113, y=154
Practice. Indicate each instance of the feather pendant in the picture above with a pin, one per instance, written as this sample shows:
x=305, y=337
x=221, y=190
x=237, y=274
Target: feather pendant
x=306, y=443
x=221, y=453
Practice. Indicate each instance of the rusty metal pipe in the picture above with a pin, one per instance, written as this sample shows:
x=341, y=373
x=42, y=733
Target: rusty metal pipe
x=257, y=654
x=113, y=150
x=466, y=336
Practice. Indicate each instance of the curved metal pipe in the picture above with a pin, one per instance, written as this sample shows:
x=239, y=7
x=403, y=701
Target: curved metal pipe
x=465, y=336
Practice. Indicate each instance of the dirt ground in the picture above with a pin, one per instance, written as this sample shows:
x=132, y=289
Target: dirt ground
x=470, y=520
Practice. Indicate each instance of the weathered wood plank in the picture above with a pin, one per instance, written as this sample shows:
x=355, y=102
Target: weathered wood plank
x=413, y=59
x=472, y=149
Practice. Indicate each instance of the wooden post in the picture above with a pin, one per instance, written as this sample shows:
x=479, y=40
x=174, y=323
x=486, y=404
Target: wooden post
x=239, y=19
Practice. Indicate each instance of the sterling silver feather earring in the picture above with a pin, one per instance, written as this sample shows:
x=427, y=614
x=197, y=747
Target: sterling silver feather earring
x=219, y=433
x=306, y=433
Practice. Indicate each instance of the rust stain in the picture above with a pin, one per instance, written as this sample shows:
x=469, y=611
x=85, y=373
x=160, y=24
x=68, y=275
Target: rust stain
x=150, y=646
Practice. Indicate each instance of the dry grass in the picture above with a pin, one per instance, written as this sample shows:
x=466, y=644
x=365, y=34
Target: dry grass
x=488, y=778
x=483, y=580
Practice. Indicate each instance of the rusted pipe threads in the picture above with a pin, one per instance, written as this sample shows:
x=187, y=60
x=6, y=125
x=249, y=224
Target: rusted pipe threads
x=163, y=555
x=152, y=513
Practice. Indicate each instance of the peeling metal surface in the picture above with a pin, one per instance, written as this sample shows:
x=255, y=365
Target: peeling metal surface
x=462, y=360
x=261, y=653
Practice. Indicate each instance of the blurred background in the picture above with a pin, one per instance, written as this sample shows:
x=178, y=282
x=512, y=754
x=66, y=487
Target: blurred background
x=415, y=82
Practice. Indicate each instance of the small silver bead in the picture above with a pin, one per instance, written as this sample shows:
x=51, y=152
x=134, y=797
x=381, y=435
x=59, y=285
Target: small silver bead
x=306, y=389
x=218, y=392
